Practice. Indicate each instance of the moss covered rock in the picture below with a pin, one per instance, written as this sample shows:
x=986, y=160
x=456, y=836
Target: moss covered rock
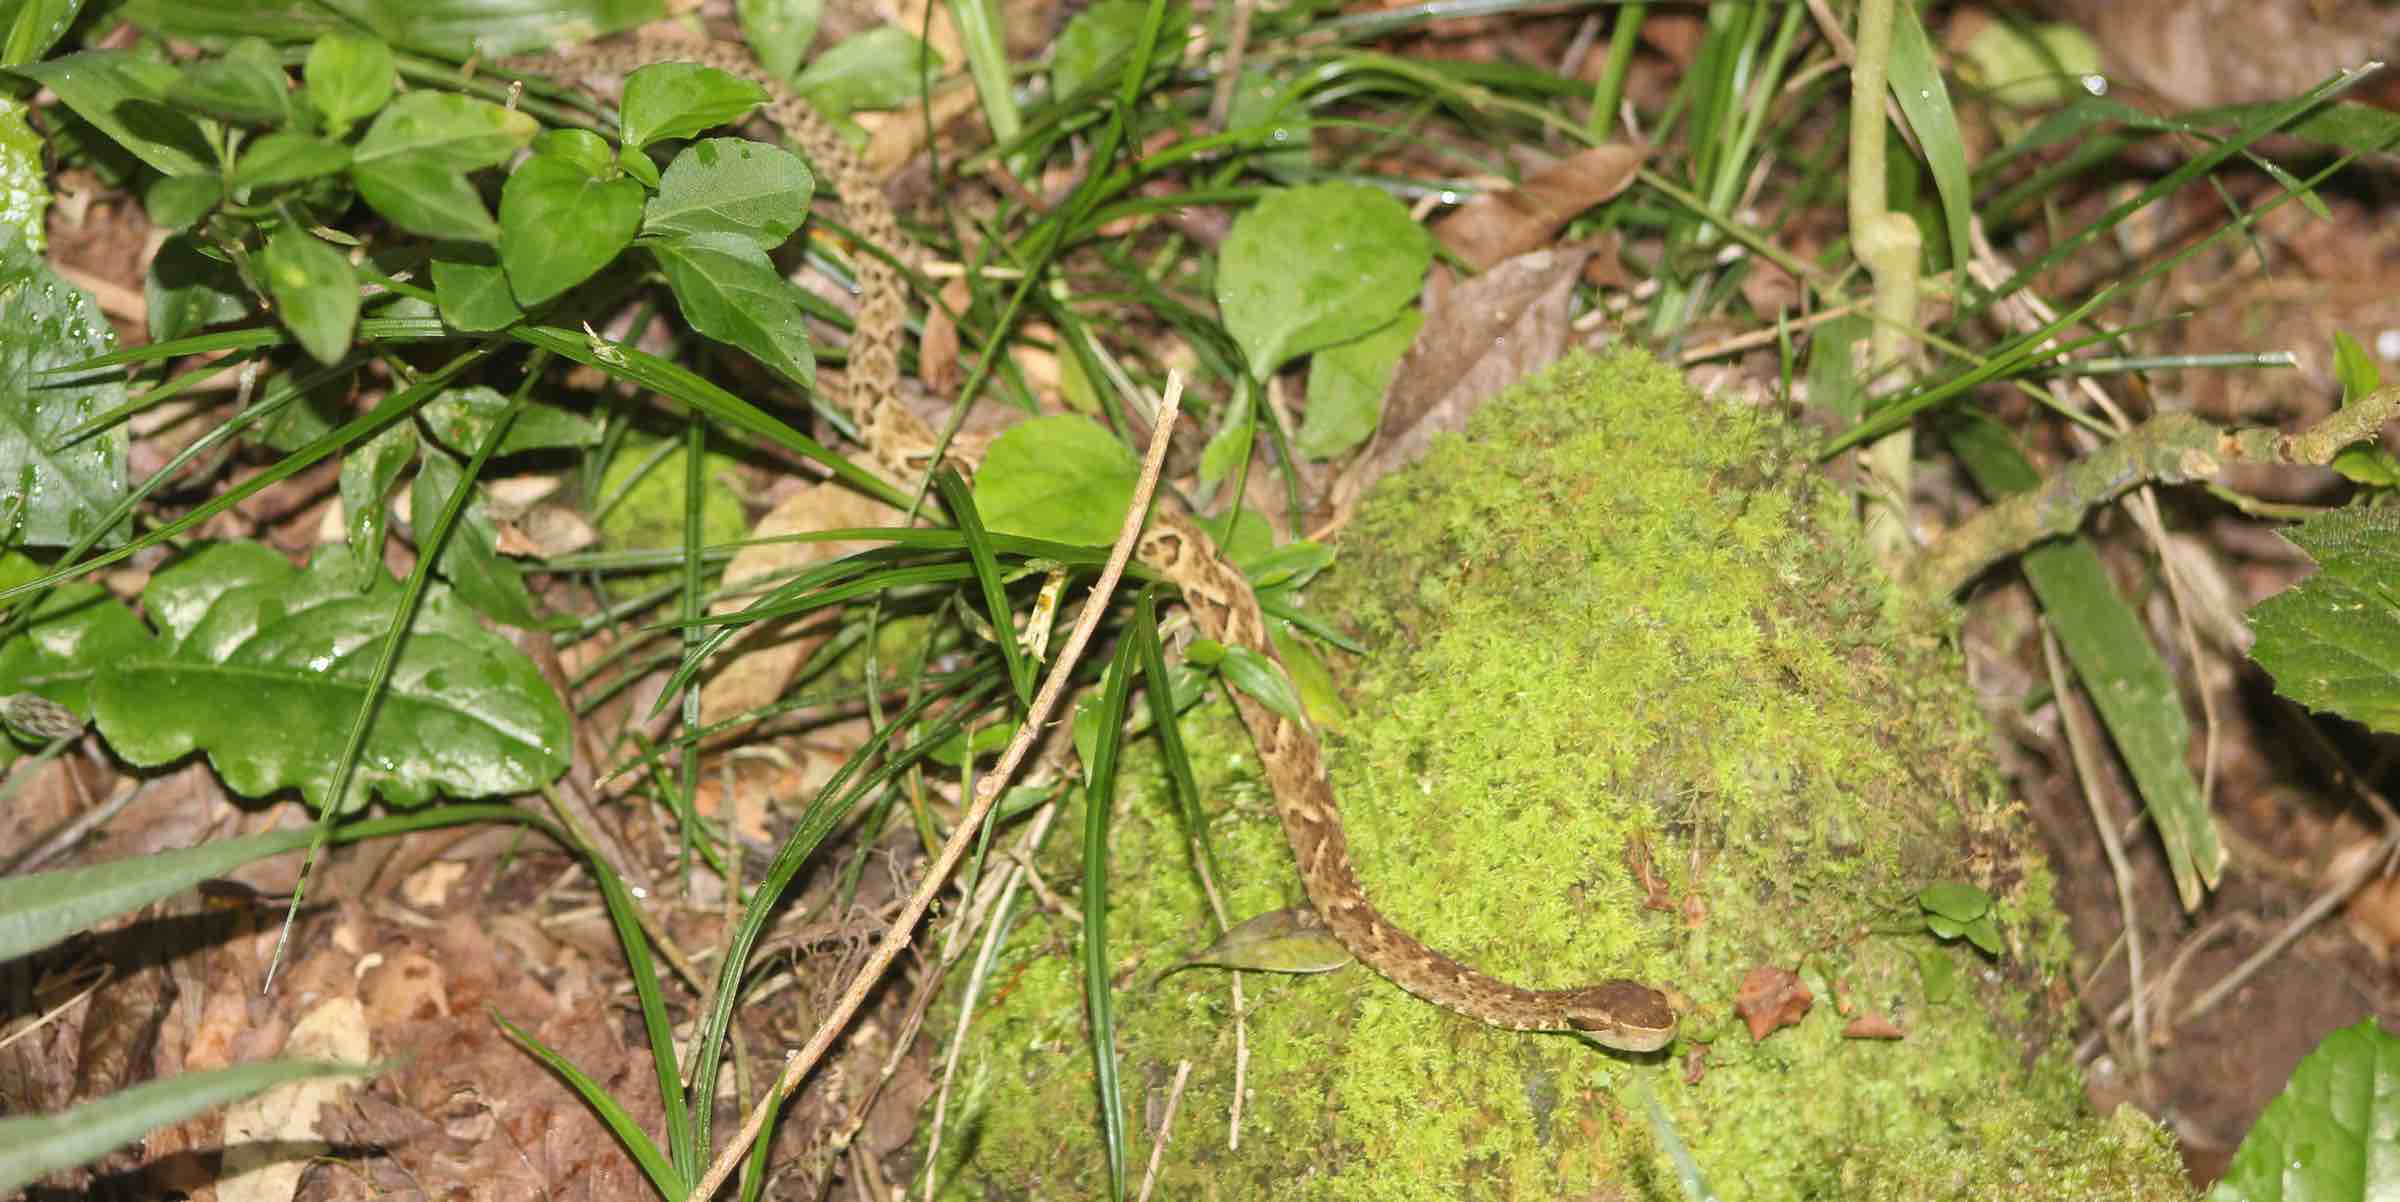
x=1636, y=704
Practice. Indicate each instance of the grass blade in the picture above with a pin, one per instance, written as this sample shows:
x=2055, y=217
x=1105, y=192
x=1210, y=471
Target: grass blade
x=670, y=1184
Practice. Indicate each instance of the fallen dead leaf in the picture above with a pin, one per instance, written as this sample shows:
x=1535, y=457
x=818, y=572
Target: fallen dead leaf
x=1507, y=223
x=1482, y=336
x=270, y=1139
x=1771, y=998
x=765, y=655
x=1873, y=1026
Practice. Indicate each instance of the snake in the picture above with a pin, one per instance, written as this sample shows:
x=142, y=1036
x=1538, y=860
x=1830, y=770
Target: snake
x=1622, y=1014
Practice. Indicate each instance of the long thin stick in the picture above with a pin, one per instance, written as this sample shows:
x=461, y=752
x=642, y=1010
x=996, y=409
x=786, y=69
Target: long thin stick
x=987, y=794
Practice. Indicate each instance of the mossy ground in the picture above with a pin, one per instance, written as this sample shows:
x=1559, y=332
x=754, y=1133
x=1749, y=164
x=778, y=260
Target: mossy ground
x=1615, y=616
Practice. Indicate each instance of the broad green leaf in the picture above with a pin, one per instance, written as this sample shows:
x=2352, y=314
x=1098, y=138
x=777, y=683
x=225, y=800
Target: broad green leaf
x=1258, y=676
x=349, y=78
x=412, y=163
x=2333, y=1134
x=1226, y=449
x=125, y=97
x=2361, y=462
x=33, y=27
x=779, y=31
x=681, y=100
x=264, y=667
x=1956, y=902
x=474, y=296
x=286, y=158
x=449, y=28
x=876, y=69
x=2332, y=642
x=188, y=290
x=309, y=417
x=24, y=189
x=53, y=492
x=40, y=909
x=368, y=473
x=1346, y=386
x=315, y=291
x=582, y=147
x=245, y=86
x=1310, y=267
x=1293, y=941
x=1062, y=478
x=76, y=629
x=559, y=224
x=730, y=292
x=462, y=418
x=178, y=202
x=33, y=1146
x=470, y=558
x=732, y=187
x=1092, y=49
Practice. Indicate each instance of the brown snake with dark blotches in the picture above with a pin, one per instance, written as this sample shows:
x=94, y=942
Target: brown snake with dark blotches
x=1621, y=1014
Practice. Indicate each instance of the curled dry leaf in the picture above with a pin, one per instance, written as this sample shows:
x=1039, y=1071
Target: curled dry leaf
x=762, y=660
x=1482, y=336
x=1771, y=998
x=1872, y=1025
x=1504, y=224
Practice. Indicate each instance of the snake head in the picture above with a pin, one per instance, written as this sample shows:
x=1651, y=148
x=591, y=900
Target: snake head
x=1626, y=1015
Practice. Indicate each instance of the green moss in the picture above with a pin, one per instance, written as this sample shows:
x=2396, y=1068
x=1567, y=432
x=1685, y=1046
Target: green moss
x=1616, y=616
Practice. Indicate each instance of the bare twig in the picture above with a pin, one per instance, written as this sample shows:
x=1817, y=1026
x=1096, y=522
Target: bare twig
x=987, y=795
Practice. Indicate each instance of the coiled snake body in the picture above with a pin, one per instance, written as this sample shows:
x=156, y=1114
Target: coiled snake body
x=1622, y=1014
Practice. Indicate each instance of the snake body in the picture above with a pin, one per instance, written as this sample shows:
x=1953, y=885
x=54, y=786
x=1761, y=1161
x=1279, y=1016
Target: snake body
x=1622, y=1014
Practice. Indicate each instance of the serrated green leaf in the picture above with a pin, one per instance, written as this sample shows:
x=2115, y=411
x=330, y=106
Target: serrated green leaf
x=1062, y=478
x=2354, y=368
x=1346, y=387
x=559, y=224
x=1094, y=43
x=316, y=293
x=730, y=292
x=462, y=418
x=287, y=158
x=349, y=77
x=474, y=296
x=2332, y=642
x=412, y=163
x=264, y=667
x=33, y=1146
x=1310, y=267
x=188, y=290
x=876, y=69
x=245, y=86
x=125, y=97
x=731, y=187
x=682, y=100
x=779, y=31
x=2333, y=1134
x=53, y=492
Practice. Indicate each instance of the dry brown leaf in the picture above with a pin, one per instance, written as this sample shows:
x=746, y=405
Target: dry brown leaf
x=1771, y=998
x=1482, y=336
x=765, y=656
x=1504, y=224
x=270, y=1139
x=1873, y=1026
